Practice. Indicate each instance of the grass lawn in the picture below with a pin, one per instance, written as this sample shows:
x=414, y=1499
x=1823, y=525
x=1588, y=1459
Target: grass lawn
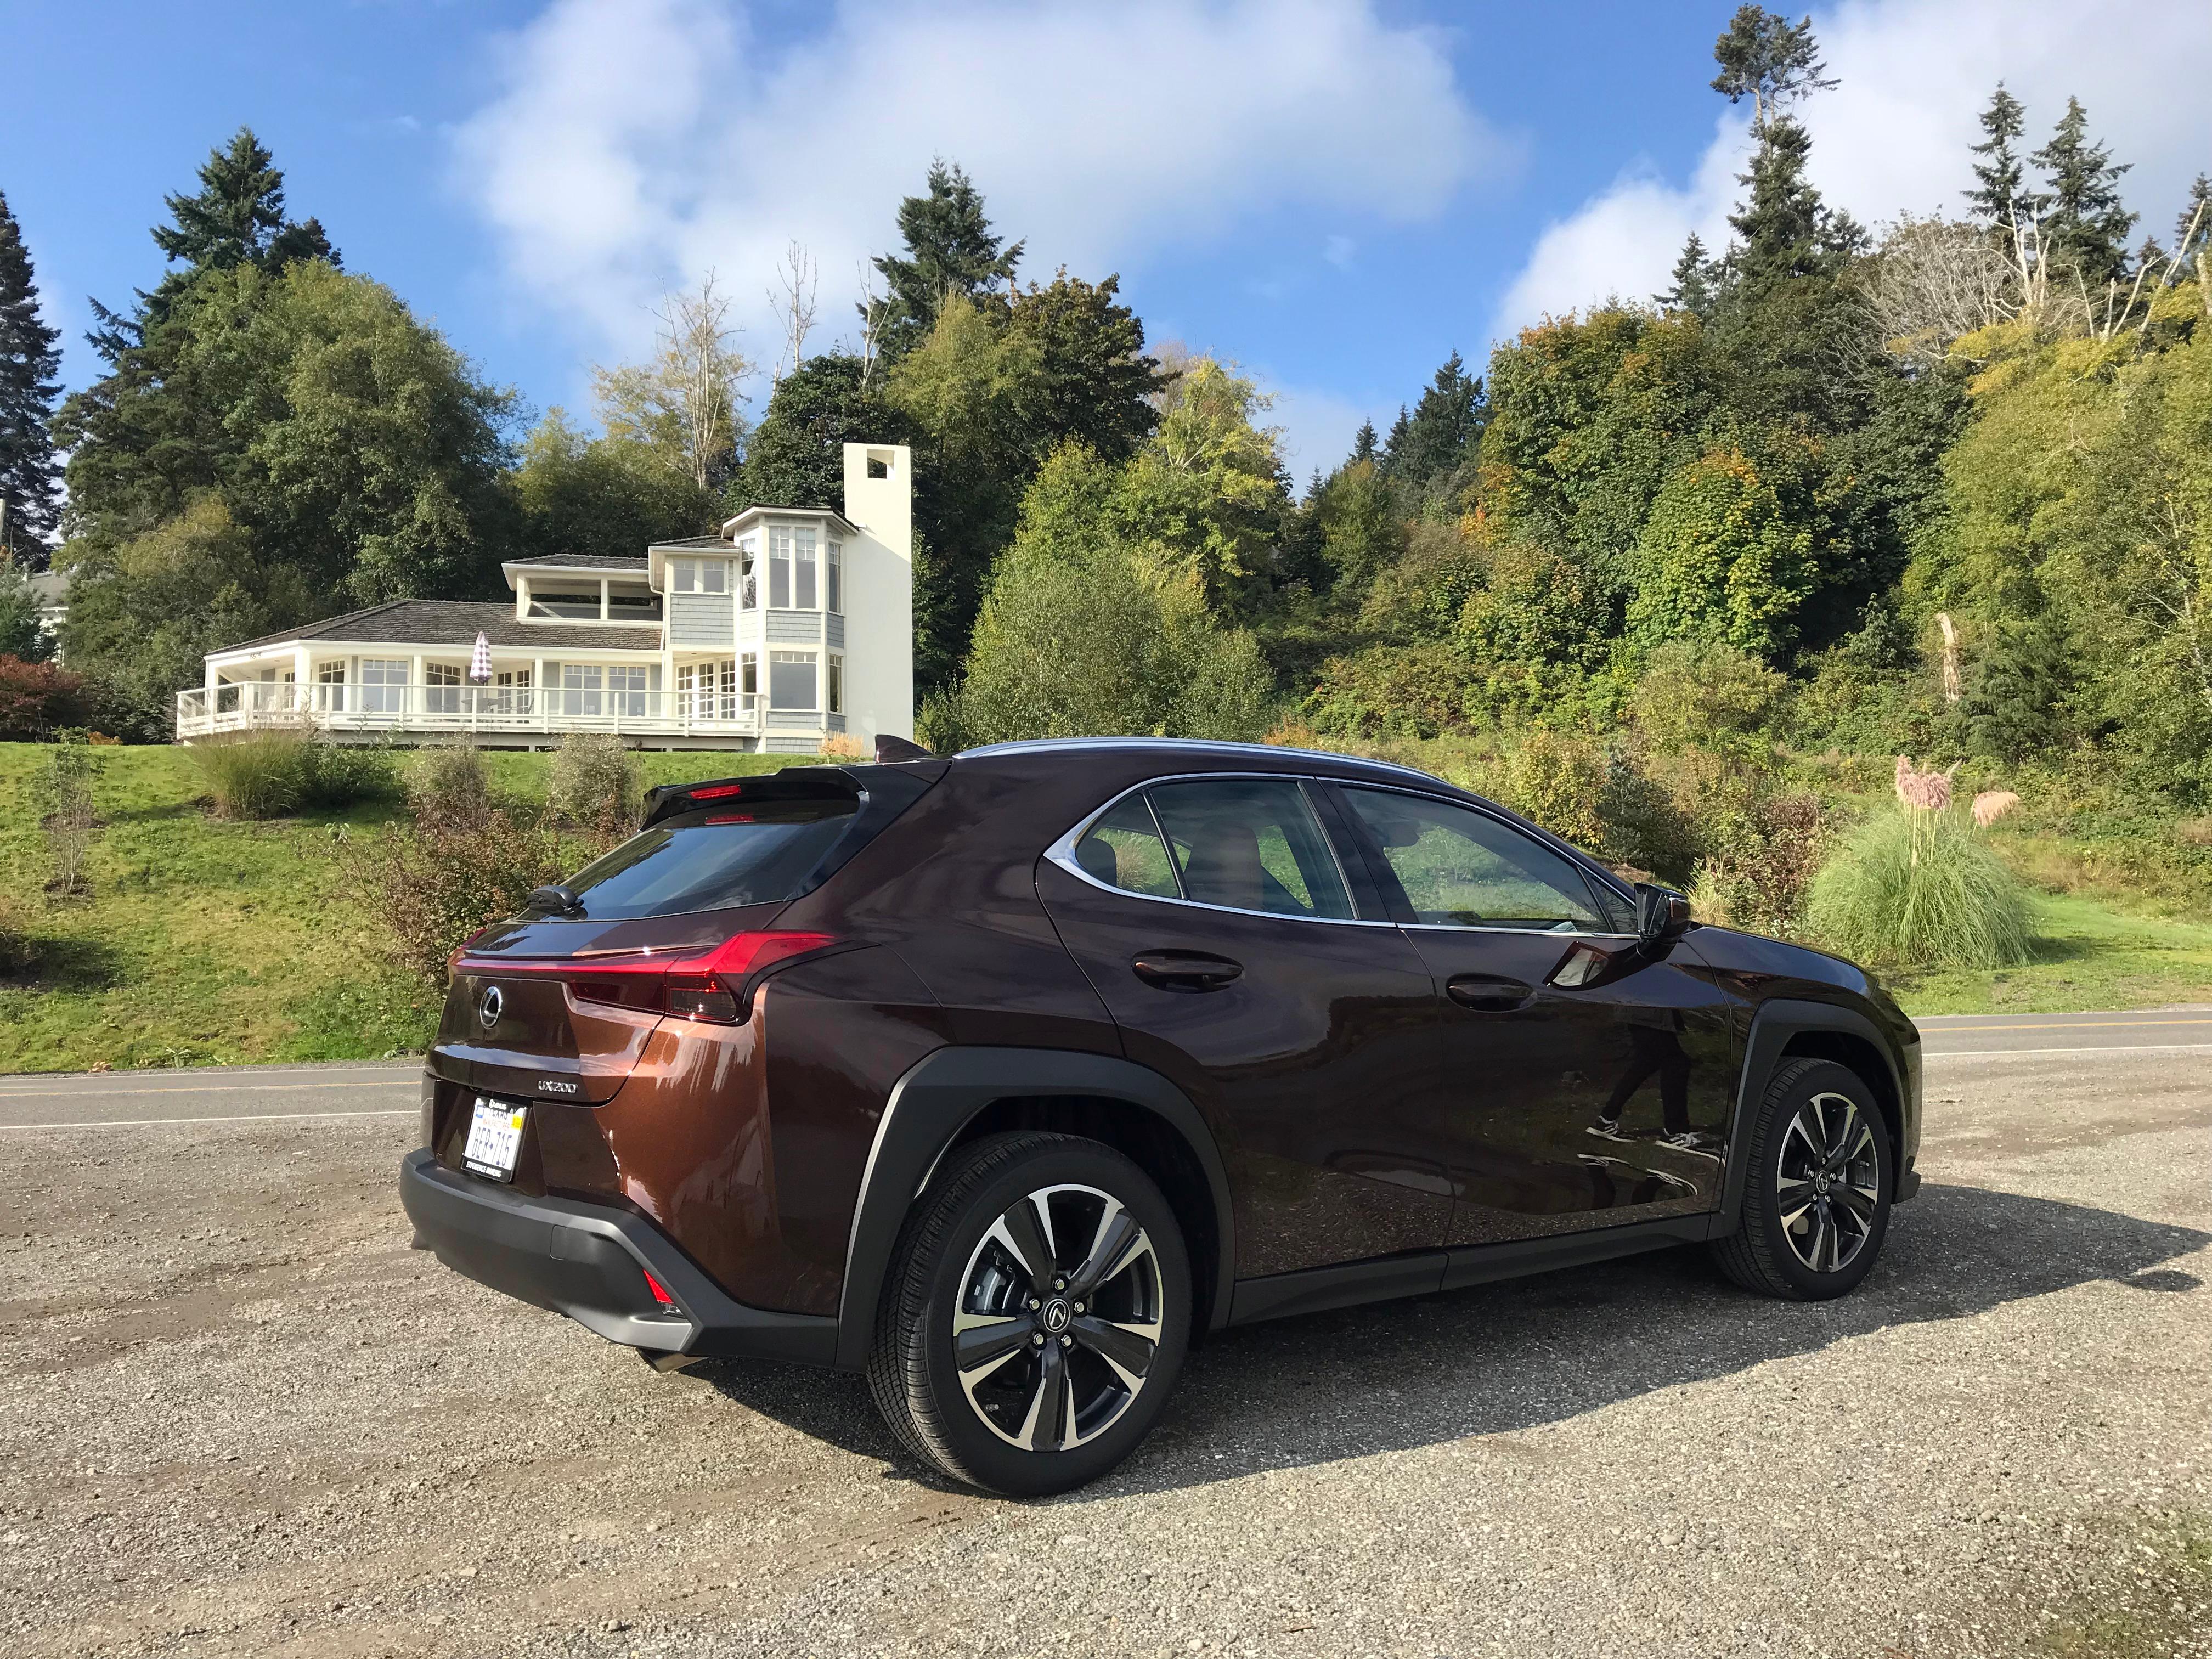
x=206, y=943
x=209, y=943
x=2087, y=955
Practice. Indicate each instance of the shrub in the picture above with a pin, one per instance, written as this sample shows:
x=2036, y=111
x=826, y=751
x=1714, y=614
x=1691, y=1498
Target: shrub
x=1559, y=782
x=334, y=775
x=1392, y=691
x=66, y=815
x=255, y=775
x=448, y=785
x=1920, y=889
x=457, y=864
x=842, y=746
x=1706, y=697
x=1761, y=851
x=37, y=698
x=594, y=787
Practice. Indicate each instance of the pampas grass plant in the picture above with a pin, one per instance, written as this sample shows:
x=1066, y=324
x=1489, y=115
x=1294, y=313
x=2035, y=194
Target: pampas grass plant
x=1918, y=889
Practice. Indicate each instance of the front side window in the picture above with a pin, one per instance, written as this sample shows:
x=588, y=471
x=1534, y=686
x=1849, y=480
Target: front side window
x=803, y=540
x=1250, y=844
x=834, y=569
x=1461, y=868
x=791, y=680
x=779, y=569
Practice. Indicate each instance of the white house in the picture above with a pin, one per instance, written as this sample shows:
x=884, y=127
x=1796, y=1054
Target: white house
x=791, y=624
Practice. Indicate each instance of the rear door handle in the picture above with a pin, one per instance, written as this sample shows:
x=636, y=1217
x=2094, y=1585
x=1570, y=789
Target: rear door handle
x=1185, y=970
x=1488, y=994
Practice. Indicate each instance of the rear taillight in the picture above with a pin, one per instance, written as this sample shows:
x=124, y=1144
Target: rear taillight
x=716, y=985
x=659, y=1291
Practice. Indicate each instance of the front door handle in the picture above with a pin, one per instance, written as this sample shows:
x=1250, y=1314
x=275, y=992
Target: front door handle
x=1185, y=970
x=1489, y=994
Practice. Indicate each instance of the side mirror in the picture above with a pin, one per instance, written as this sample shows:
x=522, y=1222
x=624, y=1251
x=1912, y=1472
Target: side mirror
x=1662, y=914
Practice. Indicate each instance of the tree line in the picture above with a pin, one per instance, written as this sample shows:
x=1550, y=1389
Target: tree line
x=1944, y=485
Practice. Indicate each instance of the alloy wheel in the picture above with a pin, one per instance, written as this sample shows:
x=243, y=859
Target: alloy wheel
x=1059, y=1318
x=1828, y=1181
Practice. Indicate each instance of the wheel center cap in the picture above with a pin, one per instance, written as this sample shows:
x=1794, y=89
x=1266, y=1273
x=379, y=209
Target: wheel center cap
x=1819, y=1183
x=1057, y=1316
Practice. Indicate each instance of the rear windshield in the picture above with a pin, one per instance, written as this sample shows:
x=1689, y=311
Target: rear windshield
x=712, y=860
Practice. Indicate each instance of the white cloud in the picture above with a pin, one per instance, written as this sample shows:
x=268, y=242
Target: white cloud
x=1317, y=427
x=636, y=143
x=1893, y=136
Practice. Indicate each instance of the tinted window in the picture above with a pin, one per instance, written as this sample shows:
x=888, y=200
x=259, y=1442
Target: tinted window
x=1123, y=849
x=1465, y=869
x=712, y=861
x=1251, y=844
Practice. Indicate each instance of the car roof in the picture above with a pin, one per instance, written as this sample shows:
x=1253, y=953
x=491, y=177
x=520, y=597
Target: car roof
x=1186, y=749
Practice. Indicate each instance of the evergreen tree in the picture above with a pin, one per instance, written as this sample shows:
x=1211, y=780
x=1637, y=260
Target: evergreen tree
x=1092, y=381
x=28, y=360
x=2193, y=226
x=2085, y=229
x=950, y=250
x=1696, y=281
x=1445, y=425
x=1998, y=175
x=1786, y=231
x=1363, y=442
x=1768, y=59
x=1393, y=446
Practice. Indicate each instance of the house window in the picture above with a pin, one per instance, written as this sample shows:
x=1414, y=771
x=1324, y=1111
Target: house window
x=330, y=687
x=683, y=575
x=713, y=575
x=707, y=690
x=748, y=677
x=384, y=685
x=511, y=693
x=733, y=706
x=836, y=685
x=804, y=540
x=779, y=569
x=748, y=581
x=441, y=688
x=834, y=568
x=580, y=690
x=626, y=691
x=791, y=680
x=574, y=607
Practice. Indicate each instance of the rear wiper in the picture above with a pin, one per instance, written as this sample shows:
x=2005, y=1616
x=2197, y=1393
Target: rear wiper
x=554, y=900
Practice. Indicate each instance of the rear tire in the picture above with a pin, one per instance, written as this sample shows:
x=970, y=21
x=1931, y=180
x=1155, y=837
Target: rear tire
x=1817, y=1195
x=1036, y=1316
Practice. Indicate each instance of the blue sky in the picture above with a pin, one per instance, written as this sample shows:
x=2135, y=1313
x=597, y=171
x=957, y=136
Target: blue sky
x=1332, y=193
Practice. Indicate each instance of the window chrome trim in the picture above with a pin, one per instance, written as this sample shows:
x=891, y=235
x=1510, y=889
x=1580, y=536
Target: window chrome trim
x=1063, y=851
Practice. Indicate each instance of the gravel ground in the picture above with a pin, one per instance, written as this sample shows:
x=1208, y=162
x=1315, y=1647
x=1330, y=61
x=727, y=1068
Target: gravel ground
x=241, y=1417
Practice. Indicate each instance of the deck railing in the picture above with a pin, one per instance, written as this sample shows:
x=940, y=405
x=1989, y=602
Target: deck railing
x=397, y=710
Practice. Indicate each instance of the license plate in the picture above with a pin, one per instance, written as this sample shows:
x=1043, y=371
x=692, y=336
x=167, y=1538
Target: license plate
x=495, y=1139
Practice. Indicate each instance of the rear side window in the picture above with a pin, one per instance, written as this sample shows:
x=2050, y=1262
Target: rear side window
x=759, y=853
x=1250, y=844
x=1123, y=849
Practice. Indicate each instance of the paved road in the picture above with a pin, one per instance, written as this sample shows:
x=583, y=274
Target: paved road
x=241, y=1418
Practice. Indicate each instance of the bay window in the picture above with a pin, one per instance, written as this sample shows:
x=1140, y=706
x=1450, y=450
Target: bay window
x=791, y=680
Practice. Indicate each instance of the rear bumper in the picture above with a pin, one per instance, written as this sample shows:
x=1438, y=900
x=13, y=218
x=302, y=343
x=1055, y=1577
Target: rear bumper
x=589, y=1261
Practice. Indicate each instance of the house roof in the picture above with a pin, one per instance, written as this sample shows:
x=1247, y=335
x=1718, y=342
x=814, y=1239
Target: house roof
x=457, y=623
x=730, y=527
x=702, y=544
x=572, y=561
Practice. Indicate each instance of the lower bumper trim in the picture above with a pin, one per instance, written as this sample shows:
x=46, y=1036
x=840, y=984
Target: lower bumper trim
x=589, y=1262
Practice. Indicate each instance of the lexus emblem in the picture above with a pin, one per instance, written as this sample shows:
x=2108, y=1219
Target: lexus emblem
x=489, y=1007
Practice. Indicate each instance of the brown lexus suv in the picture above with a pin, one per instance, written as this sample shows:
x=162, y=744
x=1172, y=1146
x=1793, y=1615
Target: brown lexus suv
x=1006, y=1078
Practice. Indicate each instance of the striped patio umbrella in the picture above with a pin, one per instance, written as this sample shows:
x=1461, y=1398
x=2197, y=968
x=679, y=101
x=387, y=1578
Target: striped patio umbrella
x=480, y=662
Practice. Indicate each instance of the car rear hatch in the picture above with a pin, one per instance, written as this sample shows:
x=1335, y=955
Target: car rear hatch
x=559, y=1003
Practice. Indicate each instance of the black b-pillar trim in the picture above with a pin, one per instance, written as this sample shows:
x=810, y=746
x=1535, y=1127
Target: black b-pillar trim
x=936, y=1099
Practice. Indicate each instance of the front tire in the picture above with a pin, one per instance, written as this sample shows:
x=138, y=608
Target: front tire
x=1036, y=1315
x=1816, y=1200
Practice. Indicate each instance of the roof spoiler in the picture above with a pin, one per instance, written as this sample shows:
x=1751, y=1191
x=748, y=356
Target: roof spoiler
x=896, y=751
